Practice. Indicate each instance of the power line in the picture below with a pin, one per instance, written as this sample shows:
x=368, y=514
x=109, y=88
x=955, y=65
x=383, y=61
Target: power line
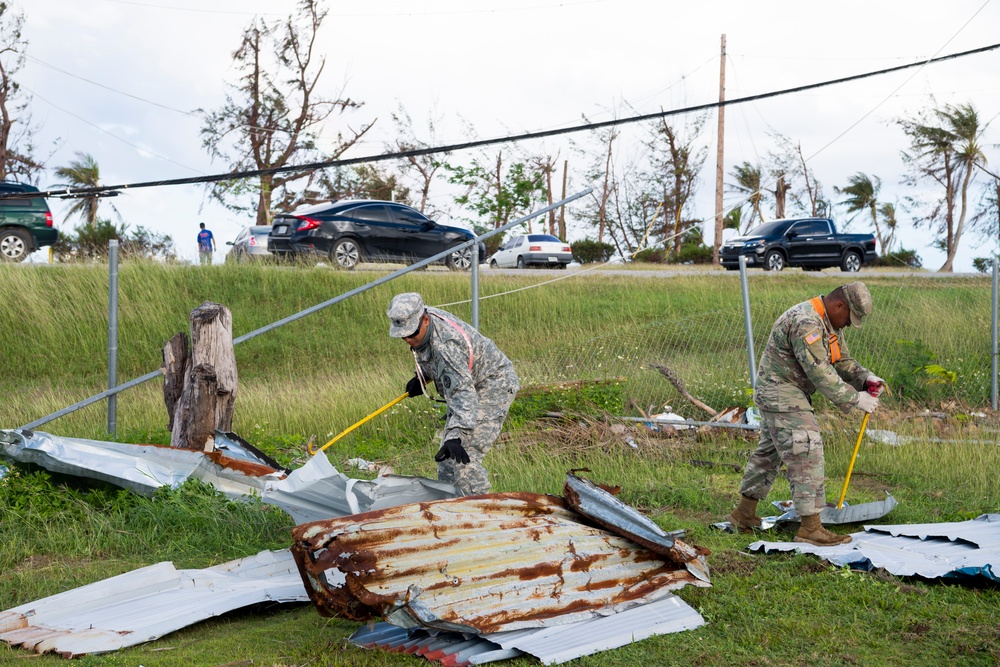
x=312, y=166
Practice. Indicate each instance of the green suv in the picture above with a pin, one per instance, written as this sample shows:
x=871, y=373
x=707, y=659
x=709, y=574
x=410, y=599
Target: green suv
x=25, y=222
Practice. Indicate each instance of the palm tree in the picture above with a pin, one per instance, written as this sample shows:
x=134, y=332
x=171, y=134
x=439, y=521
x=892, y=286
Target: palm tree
x=82, y=173
x=748, y=185
x=888, y=214
x=946, y=150
x=862, y=193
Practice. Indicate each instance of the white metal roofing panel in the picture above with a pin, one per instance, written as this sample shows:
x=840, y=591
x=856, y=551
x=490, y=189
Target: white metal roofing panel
x=561, y=643
x=313, y=492
x=317, y=491
x=917, y=549
x=551, y=645
x=147, y=603
x=983, y=531
x=140, y=468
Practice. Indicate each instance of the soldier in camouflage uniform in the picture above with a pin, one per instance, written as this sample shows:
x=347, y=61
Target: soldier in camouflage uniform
x=805, y=354
x=475, y=378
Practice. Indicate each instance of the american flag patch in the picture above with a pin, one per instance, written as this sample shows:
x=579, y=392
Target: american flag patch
x=812, y=336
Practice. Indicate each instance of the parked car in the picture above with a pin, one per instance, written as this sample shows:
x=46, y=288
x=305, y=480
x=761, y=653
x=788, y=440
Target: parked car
x=812, y=243
x=250, y=244
x=353, y=231
x=25, y=222
x=532, y=250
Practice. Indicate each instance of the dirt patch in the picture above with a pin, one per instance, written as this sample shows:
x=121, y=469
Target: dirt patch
x=732, y=562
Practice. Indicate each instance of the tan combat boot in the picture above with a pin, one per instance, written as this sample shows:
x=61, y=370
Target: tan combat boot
x=744, y=518
x=813, y=532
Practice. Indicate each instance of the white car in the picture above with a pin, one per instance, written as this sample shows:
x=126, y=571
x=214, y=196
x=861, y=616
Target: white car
x=532, y=249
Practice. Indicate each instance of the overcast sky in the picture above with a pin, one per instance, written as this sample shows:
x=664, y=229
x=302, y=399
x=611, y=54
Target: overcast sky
x=119, y=79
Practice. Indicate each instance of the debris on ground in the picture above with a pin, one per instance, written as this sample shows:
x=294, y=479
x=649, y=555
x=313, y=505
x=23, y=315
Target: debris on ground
x=315, y=491
x=966, y=550
x=147, y=603
x=551, y=645
x=494, y=563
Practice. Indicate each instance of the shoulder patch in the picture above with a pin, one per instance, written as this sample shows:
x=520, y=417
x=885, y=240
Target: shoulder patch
x=812, y=336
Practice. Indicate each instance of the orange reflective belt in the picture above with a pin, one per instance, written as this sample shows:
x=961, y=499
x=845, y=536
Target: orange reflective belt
x=817, y=305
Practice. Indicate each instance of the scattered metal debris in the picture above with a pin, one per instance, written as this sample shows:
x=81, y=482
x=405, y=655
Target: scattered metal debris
x=829, y=516
x=314, y=491
x=139, y=468
x=607, y=511
x=426, y=565
x=147, y=603
x=318, y=491
x=551, y=645
x=964, y=549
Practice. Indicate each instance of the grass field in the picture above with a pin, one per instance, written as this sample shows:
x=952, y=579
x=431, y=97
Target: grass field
x=928, y=337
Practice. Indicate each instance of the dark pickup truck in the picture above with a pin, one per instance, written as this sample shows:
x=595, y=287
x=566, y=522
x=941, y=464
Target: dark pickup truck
x=812, y=243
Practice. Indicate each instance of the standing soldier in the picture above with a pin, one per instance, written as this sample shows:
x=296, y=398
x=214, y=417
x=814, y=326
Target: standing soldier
x=805, y=354
x=477, y=382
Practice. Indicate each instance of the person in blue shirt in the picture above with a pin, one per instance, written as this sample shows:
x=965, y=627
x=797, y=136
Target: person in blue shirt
x=206, y=244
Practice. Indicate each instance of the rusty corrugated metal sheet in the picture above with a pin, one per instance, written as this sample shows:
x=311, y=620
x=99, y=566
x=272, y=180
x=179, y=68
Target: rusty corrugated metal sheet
x=601, y=506
x=478, y=564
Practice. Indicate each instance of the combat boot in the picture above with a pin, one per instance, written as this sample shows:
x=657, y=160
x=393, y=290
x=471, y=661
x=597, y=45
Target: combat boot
x=744, y=518
x=813, y=532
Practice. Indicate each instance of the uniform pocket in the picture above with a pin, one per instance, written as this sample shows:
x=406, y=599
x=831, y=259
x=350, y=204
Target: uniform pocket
x=801, y=443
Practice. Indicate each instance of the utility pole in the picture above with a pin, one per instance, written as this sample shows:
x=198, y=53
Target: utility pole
x=718, y=158
x=562, y=209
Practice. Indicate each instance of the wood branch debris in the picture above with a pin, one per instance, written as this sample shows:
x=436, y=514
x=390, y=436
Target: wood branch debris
x=729, y=415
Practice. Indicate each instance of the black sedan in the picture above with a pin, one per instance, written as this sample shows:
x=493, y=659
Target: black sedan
x=349, y=232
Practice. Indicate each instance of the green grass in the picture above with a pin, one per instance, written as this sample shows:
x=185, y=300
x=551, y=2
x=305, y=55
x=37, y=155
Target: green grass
x=323, y=373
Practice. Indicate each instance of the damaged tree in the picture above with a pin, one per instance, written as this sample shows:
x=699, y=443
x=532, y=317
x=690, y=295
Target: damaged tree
x=200, y=386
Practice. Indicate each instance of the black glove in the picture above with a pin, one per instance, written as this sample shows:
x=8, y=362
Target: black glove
x=413, y=387
x=452, y=449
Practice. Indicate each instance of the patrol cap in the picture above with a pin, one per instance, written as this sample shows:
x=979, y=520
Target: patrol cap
x=859, y=300
x=405, y=311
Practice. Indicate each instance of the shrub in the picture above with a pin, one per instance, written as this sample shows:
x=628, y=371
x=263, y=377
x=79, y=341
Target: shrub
x=694, y=253
x=650, y=256
x=898, y=258
x=983, y=264
x=588, y=251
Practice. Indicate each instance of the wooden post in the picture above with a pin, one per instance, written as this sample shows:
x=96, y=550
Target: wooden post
x=212, y=344
x=200, y=386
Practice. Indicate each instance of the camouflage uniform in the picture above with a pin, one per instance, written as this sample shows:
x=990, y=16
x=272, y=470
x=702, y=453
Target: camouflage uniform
x=795, y=364
x=478, y=383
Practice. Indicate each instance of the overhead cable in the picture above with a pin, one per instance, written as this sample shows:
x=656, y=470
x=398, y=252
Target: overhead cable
x=312, y=166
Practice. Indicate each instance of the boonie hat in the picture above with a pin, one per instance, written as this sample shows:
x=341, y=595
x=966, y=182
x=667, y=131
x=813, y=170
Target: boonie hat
x=859, y=300
x=405, y=311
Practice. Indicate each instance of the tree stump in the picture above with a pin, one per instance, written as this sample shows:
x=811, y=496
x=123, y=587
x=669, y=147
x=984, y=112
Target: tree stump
x=200, y=386
x=194, y=415
x=175, y=363
x=212, y=344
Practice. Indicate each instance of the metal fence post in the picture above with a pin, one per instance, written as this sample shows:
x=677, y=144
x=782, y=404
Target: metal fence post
x=475, y=285
x=745, y=287
x=996, y=360
x=112, y=335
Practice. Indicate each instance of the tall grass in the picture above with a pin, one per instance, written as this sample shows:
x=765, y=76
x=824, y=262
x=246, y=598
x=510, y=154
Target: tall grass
x=319, y=375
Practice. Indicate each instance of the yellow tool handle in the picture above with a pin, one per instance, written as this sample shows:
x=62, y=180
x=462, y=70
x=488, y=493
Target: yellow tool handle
x=359, y=423
x=850, y=468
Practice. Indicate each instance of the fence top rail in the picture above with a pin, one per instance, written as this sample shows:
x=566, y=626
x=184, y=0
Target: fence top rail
x=312, y=309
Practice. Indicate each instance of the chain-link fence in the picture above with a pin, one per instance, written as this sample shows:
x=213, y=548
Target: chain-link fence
x=929, y=337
